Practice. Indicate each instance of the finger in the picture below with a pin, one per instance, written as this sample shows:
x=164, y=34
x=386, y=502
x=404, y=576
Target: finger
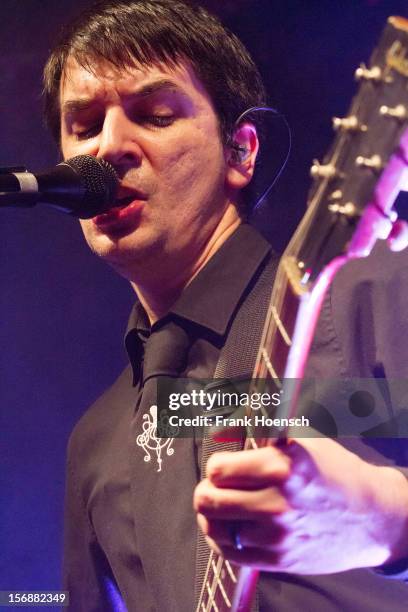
x=251, y=534
x=249, y=469
x=203, y=523
x=256, y=558
x=230, y=504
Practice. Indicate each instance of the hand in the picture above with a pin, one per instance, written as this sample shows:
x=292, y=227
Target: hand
x=311, y=507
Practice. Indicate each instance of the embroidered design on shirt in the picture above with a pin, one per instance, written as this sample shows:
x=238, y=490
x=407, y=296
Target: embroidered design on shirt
x=150, y=442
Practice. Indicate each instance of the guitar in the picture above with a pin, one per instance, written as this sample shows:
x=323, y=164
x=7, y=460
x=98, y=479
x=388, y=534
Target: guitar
x=350, y=206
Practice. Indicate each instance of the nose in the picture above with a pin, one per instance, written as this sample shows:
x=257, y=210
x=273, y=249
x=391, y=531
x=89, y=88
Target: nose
x=118, y=142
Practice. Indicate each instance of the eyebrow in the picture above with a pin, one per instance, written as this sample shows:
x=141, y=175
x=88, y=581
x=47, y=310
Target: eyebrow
x=162, y=85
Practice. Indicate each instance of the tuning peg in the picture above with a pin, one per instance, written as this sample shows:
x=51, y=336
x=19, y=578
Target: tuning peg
x=319, y=170
x=335, y=195
x=398, y=112
x=349, y=124
x=374, y=162
x=348, y=210
x=368, y=74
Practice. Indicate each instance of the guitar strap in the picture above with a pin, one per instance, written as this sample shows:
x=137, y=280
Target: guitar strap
x=237, y=359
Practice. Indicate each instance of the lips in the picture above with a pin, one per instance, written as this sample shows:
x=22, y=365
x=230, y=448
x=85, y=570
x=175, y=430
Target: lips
x=126, y=209
x=122, y=202
x=127, y=195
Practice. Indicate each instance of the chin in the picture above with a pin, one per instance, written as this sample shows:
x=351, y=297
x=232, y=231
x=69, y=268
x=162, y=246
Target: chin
x=126, y=253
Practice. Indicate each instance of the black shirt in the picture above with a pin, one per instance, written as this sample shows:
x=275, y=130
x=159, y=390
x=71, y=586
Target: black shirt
x=130, y=524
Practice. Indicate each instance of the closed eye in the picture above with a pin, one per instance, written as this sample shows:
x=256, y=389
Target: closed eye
x=156, y=120
x=90, y=132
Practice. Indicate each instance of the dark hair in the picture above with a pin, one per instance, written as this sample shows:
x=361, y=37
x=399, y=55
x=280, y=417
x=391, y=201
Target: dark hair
x=140, y=32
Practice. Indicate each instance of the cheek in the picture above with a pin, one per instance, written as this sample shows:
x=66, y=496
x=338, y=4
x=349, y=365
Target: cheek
x=67, y=146
x=194, y=168
x=72, y=149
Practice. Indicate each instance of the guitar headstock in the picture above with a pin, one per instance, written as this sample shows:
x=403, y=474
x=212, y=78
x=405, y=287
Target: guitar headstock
x=354, y=189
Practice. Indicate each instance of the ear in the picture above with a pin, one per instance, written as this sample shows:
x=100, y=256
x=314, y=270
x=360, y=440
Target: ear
x=240, y=156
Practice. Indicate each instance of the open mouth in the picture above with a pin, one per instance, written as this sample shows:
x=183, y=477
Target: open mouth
x=123, y=202
x=123, y=210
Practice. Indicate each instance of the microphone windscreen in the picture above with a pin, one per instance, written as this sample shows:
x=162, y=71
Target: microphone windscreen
x=99, y=181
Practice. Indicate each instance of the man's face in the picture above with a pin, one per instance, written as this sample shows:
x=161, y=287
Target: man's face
x=157, y=127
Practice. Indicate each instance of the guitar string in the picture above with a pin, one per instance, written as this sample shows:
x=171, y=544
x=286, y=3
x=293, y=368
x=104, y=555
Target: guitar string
x=211, y=590
x=213, y=605
x=219, y=577
x=206, y=576
x=218, y=585
x=218, y=582
x=213, y=587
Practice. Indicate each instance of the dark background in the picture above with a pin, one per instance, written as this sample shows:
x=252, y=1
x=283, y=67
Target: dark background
x=62, y=311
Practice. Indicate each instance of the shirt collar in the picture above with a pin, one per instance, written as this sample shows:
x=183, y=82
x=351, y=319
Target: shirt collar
x=213, y=295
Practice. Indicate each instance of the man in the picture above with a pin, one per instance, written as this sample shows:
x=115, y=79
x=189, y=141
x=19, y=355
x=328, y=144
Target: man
x=156, y=87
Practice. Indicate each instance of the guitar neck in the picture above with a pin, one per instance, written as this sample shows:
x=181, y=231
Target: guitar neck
x=350, y=206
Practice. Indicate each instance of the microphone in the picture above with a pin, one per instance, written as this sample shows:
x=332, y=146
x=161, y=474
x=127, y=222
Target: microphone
x=82, y=186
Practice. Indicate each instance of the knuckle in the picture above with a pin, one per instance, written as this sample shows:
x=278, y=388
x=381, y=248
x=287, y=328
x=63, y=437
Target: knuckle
x=277, y=459
x=274, y=504
x=215, y=464
x=278, y=469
